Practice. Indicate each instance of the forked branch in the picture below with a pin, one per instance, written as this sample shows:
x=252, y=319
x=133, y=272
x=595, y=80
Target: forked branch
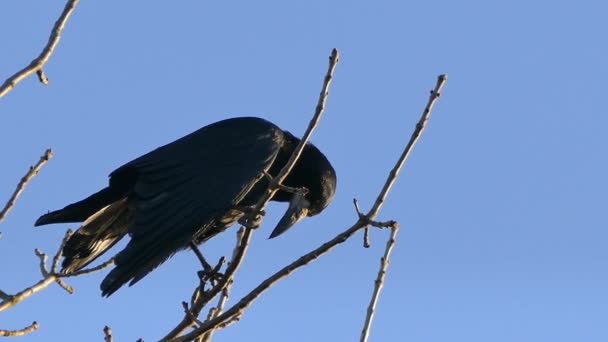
x=363, y=221
x=49, y=275
x=36, y=65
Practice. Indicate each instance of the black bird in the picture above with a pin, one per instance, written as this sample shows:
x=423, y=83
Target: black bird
x=190, y=190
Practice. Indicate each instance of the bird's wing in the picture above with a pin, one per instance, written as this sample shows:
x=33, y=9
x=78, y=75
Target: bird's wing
x=182, y=186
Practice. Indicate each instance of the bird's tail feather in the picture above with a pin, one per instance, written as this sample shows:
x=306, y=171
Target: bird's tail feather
x=82, y=210
x=98, y=233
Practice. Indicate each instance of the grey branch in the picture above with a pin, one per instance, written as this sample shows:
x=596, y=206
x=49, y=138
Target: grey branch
x=36, y=65
x=88, y=270
x=200, y=297
x=379, y=283
x=392, y=177
x=48, y=277
x=14, y=333
x=363, y=221
x=33, y=171
x=241, y=249
x=216, y=311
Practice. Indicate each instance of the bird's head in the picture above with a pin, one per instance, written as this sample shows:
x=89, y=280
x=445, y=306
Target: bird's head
x=314, y=173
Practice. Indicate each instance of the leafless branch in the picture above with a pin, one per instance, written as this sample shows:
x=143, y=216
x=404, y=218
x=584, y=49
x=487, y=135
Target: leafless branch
x=67, y=235
x=216, y=311
x=33, y=171
x=200, y=297
x=379, y=283
x=384, y=261
x=14, y=333
x=363, y=221
x=36, y=65
x=48, y=277
x=275, y=183
x=392, y=176
x=88, y=270
x=273, y=186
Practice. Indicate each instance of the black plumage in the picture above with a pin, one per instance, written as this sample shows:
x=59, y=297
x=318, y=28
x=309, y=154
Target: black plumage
x=190, y=190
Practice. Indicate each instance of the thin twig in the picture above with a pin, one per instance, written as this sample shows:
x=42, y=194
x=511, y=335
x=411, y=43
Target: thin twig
x=53, y=270
x=88, y=270
x=392, y=176
x=67, y=235
x=48, y=277
x=200, y=298
x=366, y=243
x=36, y=65
x=14, y=333
x=273, y=186
x=33, y=171
x=43, y=257
x=237, y=309
x=379, y=283
x=216, y=311
x=190, y=314
x=274, y=183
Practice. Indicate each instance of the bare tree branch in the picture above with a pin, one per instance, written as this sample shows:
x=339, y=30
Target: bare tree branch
x=384, y=261
x=48, y=277
x=392, y=176
x=33, y=171
x=216, y=311
x=363, y=221
x=14, y=333
x=88, y=270
x=273, y=186
x=66, y=237
x=36, y=65
x=379, y=283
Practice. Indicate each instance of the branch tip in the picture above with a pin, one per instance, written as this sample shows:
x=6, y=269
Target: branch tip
x=14, y=333
x=32, y=171
x=36, y=65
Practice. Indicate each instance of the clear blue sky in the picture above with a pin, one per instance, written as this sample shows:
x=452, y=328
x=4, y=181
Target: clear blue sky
x=502, y=204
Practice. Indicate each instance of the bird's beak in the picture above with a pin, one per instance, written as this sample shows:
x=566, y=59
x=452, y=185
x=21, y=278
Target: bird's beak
x=298, y=208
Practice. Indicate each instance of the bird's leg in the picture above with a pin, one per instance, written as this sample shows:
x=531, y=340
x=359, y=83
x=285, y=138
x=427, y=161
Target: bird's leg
x=209, y=273
x=247, y=220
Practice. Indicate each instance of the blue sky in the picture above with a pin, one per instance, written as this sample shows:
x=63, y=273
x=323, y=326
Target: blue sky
x=502, y=204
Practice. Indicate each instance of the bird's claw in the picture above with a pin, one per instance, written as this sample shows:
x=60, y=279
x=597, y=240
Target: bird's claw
x=246, y=219
x=252, y=223
x=211, y=274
